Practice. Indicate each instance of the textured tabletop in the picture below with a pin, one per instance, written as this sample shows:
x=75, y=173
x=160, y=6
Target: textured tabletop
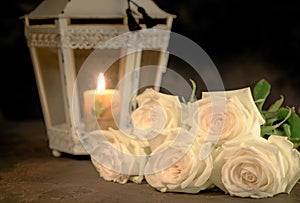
x=29, y=173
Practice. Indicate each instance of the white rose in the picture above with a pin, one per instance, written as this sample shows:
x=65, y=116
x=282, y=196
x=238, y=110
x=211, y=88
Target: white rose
x=244, y=95
x=148, y=121
x=224, y=120
x=117, y=157
x=175, y=165
x=292, y=160
x=226, y=115
x=255, y=167
x=156, y=111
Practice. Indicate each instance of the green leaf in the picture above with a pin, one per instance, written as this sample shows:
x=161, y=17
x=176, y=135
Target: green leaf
x=192, y=97
x=274, y=107
x=271, y=121
x=294, y=122
x=183, y=100
x=296, y=142
x=287, y=130
x=260, y=93
x=283, y=121
x=268, y=129
x=278, y=132
x=291, y=126
x=283, y=112
x=269, y=115
x=274, y=132
x=194, y=86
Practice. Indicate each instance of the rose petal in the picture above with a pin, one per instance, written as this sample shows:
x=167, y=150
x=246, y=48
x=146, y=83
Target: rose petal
x=245, y=97
x=292, y=157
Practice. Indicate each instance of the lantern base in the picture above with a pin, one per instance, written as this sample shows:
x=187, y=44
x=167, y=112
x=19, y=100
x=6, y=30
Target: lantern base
x=64, y=140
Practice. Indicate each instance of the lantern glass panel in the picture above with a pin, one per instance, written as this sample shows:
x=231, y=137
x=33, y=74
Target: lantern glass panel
x=51, y=77
x=149, y=68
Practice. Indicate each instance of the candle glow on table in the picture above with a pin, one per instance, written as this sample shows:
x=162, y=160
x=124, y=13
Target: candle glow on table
x=98, y=103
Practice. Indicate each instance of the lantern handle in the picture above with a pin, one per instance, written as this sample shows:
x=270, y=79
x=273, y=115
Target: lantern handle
x=132, y=24
x=149, y=21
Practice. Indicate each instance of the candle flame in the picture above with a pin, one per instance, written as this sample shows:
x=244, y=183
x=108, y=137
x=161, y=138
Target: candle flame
x=101, y=82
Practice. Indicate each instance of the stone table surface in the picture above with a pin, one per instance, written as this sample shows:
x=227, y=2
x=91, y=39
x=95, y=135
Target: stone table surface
x=29, y=173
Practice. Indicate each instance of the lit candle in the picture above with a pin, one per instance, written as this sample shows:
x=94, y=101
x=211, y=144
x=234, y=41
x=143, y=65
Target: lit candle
x=98, y=103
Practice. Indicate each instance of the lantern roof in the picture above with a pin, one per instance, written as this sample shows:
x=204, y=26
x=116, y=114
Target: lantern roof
x=105, y=9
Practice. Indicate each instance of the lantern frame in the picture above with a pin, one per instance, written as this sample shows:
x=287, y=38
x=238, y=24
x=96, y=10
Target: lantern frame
x=64, y=26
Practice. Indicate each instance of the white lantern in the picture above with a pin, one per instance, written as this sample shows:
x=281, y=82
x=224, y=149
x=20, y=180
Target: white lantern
x=61, y=34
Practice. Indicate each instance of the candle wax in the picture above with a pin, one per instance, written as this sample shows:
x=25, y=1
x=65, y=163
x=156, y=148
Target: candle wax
x=98, y=103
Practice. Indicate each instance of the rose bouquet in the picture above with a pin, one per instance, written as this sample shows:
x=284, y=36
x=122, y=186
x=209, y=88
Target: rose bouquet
x=226, y=140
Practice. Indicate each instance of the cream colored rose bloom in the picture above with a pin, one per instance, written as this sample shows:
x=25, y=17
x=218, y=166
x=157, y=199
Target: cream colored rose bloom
x=226, y=115
x=114, y=156
x=156, y=111
x=245, y=97
x=255, y=167
x=175, y=166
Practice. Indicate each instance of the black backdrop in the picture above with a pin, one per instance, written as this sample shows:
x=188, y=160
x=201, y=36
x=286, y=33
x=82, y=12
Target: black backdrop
x=247, y=40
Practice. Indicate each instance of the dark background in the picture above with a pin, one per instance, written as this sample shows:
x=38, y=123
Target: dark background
x=247, y=40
